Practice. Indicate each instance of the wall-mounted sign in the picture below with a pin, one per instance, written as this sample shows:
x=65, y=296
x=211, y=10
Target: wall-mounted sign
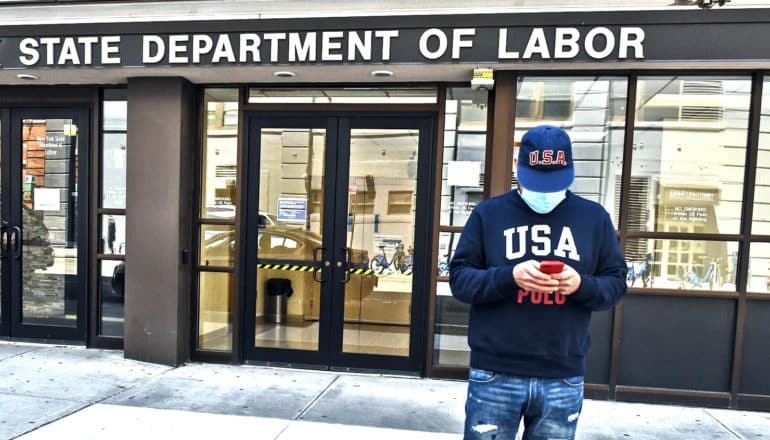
x=482, y=39
x=387, y=242
x=47, y=199
x=689, y=214
x=52, y=141
x=356, y=46
x=291, y=210
x=692, y=196
x=463, y=173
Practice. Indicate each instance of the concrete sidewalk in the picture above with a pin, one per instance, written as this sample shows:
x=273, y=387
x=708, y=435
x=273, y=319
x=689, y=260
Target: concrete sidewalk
x=54, y=392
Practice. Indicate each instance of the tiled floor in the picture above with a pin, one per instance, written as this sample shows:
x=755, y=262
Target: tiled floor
x=357, y=338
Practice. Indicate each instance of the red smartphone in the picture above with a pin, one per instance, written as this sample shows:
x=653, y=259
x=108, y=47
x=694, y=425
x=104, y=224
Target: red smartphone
x=551, y=266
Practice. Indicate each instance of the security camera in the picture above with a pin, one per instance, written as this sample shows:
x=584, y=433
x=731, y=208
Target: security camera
x=708, y=4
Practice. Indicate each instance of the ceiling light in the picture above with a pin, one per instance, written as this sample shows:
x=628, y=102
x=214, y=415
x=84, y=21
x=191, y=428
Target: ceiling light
x=27, y=76
x=382, y=73
x=284, y=74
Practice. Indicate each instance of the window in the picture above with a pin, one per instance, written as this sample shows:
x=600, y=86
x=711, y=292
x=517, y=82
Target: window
x=111, y=213
x=681, y=99
x=462, y=188
x=595, y=124
x=219, y=196
x=220, y=151
x=465, y=139
x=549, y=99
x=759, y=255
x=688, y=165
x=761, y=209
x=400, y=202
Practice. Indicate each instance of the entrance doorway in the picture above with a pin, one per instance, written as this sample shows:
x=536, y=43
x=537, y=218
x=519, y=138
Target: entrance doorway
x=43, y=164
x=335, y=239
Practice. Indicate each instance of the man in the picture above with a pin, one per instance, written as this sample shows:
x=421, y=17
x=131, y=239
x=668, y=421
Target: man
x=528, y=329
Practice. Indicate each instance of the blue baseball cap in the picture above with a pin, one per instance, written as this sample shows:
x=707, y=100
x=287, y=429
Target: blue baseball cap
x=545, y=160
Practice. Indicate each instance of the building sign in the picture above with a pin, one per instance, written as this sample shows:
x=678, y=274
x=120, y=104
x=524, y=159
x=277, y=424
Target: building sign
x=483, y=39
x=357, y=46
x=387, y=242
x=689, y=214
x=690, y=196
x=689, y=204
x=292, y=210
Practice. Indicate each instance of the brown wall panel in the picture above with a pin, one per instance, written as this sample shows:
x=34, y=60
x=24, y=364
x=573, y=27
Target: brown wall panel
x=755, y=368
x=677, y=343
x=161, y=123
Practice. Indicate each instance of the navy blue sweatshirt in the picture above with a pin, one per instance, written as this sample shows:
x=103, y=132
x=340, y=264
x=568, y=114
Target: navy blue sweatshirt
x=535, y=334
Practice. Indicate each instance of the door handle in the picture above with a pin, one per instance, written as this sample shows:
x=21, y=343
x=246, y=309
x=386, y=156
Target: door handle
x=316, y=261
x=16, y=242
x=348, y=262
x=4, y=239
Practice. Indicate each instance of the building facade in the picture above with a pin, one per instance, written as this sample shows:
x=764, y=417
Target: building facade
x=249, y=182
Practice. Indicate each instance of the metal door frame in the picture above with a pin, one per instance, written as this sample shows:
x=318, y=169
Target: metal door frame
x=17, y=329
x=336, y=170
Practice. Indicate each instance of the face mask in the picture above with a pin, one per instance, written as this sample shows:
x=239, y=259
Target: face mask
x=543, y=203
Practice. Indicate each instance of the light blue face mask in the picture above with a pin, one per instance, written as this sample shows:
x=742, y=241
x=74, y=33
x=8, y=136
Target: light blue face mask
x=543, y=203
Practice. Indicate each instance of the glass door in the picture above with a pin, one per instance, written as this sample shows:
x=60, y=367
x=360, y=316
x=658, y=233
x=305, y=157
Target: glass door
x=383, y=216
x=336, y=235
x=46, y=224
x=287, y=238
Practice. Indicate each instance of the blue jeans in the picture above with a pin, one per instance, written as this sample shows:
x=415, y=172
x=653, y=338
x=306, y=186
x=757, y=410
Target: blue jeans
x=497, y=402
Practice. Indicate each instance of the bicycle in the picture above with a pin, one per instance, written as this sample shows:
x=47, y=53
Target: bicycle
x=712, y=277
x=643, y=271
x=443, y=266
x=400, y=261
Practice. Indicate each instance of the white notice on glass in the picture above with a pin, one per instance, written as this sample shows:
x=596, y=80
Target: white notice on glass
x=463, y=173
x=47, y=199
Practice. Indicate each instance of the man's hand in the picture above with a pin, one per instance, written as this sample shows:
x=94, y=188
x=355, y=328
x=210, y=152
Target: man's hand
x=569, y=280
x=528, y=276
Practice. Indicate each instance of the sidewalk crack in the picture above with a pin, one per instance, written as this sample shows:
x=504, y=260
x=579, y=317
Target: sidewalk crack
x=31, y=349
x=735, y=434
x=316, y=399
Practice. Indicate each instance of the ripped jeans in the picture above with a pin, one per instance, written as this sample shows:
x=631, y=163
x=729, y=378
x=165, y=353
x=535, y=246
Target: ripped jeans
x=497, y=403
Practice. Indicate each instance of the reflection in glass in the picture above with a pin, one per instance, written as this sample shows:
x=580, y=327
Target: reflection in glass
x=289, y=225
x=689, y=154
x=592, y=111
x=447, y=243
x=759, y=268
x=378, y=305
x=113, y=239
x=288, y=308
x=450, y=341
x=217, y=245
x=112, y=276
x=115, y=110
x=462, y=182
x=114, y=170
x=215, y=329
x=49, y=222
x=761, y=213
x=291, y=187
x=681, y=264
x=220, y=154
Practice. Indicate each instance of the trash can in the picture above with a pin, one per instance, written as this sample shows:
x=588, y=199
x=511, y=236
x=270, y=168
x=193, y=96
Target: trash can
x=278, y=292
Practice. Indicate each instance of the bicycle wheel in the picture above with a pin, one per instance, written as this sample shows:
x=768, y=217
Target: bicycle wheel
x=377, y=266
